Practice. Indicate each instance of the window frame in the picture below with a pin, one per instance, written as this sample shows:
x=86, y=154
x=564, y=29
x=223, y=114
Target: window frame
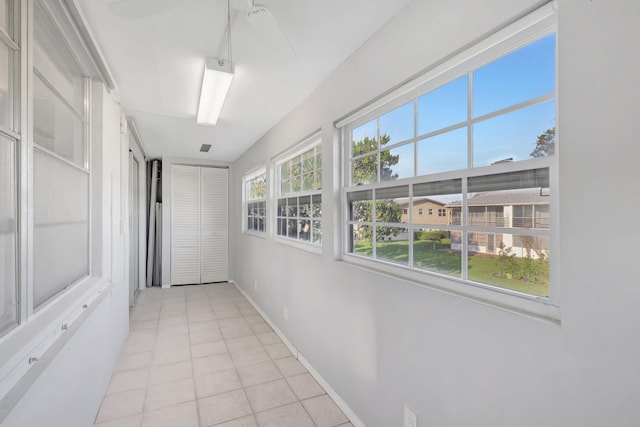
x=85, y=168
x=249, y=176
x=13, y=39
x=536, y=25
x=312, y=142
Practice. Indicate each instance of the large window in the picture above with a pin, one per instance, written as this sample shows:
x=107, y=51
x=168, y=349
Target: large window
x=298, y=193
x=475, y=142
x=9, y=149
x=60, y=163
x=255, y=194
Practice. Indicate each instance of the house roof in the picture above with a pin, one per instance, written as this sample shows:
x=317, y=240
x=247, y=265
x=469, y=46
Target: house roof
x=422, y=200
x=529, y=196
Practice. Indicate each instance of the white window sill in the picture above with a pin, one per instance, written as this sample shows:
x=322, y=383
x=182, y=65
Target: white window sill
x=299, y=244
x=262, y=235
x=541, y=308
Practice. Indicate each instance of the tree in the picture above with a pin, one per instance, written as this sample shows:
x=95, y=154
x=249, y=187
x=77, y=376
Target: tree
x=545, y=144
x=435, y=237
x=506, y=263
x=365, y=171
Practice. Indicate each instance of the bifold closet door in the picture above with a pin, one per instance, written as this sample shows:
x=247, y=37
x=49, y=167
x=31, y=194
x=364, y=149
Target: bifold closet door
x=214, y=225
x=199, y=225
x=185, y=225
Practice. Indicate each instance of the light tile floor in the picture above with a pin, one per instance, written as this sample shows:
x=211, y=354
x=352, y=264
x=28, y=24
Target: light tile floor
x=201, y=356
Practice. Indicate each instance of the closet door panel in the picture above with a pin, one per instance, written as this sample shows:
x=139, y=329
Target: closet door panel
x=185, y=225
x=214, y=226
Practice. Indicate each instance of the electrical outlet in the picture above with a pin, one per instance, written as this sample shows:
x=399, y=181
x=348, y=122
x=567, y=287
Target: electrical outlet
x=410, y=418
x=285, y=313
x=255, y=285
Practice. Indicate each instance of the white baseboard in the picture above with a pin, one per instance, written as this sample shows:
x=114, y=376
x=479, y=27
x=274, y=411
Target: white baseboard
x=277, y=330
x=355, y=420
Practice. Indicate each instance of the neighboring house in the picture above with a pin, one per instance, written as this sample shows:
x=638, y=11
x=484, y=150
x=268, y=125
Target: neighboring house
x=427, y=211
x=515, y=210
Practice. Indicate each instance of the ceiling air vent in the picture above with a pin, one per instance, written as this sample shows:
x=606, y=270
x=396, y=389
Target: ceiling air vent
x=204, y=148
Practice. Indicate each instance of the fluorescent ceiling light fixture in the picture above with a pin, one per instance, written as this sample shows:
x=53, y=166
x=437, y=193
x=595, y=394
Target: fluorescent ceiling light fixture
x=216, y=82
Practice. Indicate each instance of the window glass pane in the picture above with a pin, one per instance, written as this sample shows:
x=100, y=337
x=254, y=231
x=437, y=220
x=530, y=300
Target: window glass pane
x=305, y=207
x=304, y=230
x=282, y=207
x=397, y=163
x=433, y=251
x=285, y=170
x=317, y=232
x=443, y=107
x=522, y=75
x=392, y=244
x=4, y=14
x=365, y=138
x=6, y=86
x=518, y=261
x=361, y=239
x=308, y=161
x=512, y=136
x=55, y=126
x=509, y=209
x=318, y=178
x=292, y=207
x=285, y=187
x=444, y=152
x=53, y=59
x=510, y=181
x=292, y=228
x=397, y=125
x=512, y=200
x=308, y=182
x=296, y=174
x=316, y=210
x=61, y=226
x=257, y=187
x=390, y=203
x=365, y=170
x=8, y=233
x=361, y=205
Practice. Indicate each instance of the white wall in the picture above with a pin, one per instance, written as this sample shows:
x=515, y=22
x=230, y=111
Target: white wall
x=69, y=392
x=382, y=342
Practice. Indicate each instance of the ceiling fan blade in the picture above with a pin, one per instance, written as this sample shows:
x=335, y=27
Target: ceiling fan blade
x=137, y=9
x=261, y=19
x=242, y=5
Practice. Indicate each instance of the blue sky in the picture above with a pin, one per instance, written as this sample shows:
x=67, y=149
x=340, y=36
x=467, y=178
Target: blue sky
x=519, y=76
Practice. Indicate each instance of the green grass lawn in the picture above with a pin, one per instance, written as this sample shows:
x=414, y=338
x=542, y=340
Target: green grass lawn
x=481, y=268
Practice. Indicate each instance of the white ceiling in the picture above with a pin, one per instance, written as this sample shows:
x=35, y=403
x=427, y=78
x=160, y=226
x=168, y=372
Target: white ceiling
x=156, y=51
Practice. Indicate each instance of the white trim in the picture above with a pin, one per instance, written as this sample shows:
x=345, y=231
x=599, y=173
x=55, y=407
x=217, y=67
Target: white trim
x=255, y=172
x=74, y=11
x=525, y=30
x=314, y=248
x=46, y=338
x=266, y=318
x=133, y=130
x=339, y=401
x=247, y=177
x=541, y=308
x=344, y=407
